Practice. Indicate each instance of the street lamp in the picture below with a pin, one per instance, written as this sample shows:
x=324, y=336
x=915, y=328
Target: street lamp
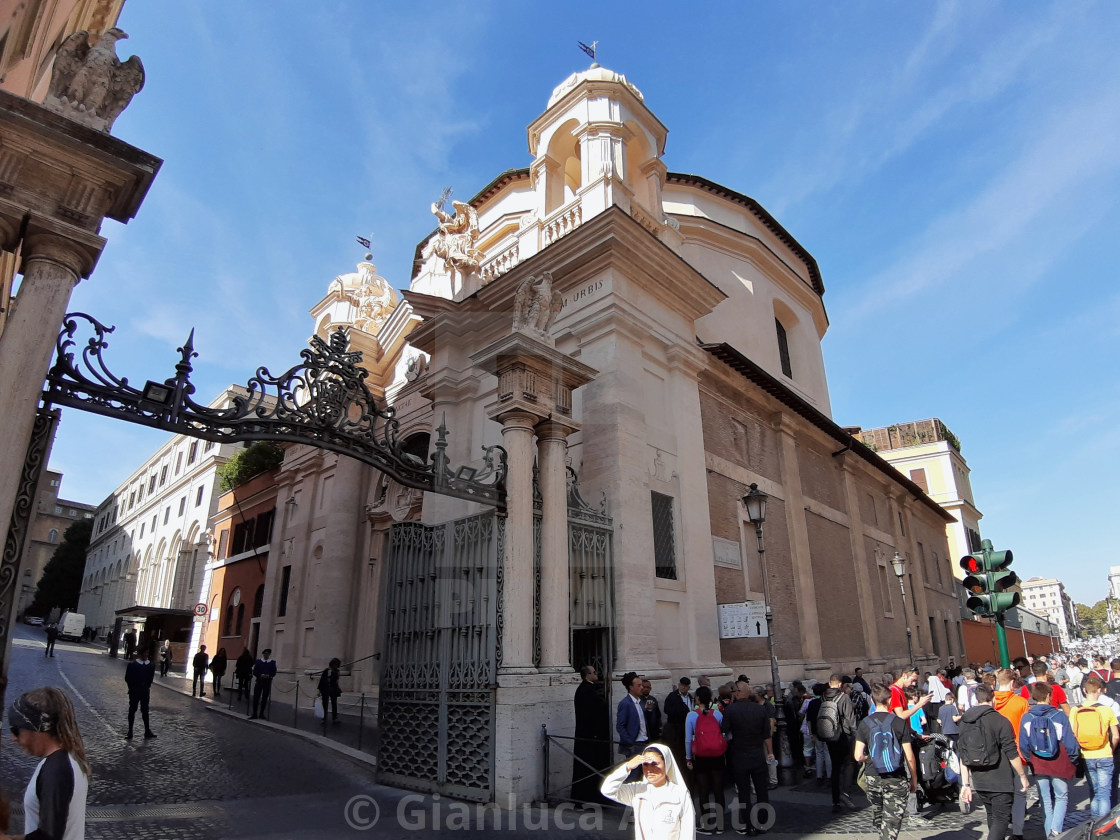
x=899, y=564
x=755, y=503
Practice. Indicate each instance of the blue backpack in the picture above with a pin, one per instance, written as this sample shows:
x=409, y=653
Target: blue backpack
x=1042, y=738
x=886, y=751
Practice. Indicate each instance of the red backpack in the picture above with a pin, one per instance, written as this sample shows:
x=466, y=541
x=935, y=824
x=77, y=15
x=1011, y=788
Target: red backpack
x=708, y=742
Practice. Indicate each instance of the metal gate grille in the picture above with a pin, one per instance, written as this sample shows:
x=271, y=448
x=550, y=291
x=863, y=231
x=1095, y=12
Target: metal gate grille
x=436, y=710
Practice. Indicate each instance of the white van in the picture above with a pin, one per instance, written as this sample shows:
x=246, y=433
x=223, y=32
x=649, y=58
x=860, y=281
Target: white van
x=71, y=626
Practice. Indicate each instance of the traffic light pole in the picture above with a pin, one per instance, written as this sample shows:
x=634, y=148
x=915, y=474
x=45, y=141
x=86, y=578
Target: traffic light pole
x=1001, y=640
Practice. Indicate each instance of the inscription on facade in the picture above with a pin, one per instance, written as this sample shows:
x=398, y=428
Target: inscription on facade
x=726, y=553
x=582, y=294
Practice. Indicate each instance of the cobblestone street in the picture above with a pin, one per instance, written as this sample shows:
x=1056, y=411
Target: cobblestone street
x=213, y=774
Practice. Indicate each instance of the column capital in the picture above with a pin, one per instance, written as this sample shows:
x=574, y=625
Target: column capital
x=73, y=248
x=553, y=428
x=11, y=221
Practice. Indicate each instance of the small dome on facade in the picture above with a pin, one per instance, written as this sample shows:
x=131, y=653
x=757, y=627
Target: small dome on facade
x=594, y=74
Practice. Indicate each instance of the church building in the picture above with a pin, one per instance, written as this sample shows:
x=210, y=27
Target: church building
x=646, y=346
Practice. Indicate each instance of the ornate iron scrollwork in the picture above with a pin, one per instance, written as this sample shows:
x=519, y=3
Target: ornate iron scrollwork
x=322, y=402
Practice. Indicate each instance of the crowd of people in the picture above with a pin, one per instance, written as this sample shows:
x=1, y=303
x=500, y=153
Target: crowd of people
x=1048, y=720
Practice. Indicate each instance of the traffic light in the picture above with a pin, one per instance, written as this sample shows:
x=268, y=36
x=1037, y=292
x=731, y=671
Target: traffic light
x=987, y=578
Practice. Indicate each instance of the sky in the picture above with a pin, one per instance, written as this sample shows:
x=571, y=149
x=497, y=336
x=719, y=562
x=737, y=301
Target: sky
x=954, y=168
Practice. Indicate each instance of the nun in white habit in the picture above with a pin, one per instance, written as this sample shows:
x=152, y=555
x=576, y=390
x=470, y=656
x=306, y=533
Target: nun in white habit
x=661, y=801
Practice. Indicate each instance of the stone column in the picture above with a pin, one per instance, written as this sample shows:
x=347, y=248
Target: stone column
x=552, y=450
x=55, y=257
x=517, y=587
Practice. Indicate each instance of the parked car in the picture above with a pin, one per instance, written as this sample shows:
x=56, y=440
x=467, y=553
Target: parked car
x=33, y=620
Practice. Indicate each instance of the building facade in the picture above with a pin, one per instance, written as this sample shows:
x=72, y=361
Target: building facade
x=51, y=517
x=233, y=586
x=930, y=455
x=151, y=540
x=1047, y=596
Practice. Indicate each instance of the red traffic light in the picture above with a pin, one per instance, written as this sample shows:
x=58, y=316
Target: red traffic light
x=972, y=563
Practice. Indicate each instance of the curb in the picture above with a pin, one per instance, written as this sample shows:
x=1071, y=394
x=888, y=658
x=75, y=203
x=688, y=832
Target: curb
x=356, y=756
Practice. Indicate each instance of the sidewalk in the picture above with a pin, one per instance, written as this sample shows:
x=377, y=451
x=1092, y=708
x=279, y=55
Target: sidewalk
x=291, y=709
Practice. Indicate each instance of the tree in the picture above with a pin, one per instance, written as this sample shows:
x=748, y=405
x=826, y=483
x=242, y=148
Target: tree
x=1094, y=619
x=248, y=463
x=61, y=583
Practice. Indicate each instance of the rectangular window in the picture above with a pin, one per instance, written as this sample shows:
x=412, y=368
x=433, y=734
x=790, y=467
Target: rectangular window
x=152, y=484
x=163, y=476
x=885, y=589
x=155, y=519
x=192, y=453
x=166, y=514
x=179, y=463
x=223, y=545
x=933, y=636
x=141, y=530
x=198, y=497
x=918, y=476
x=182, y=505
x=664, y=543
x=285, y=579
x=783, y=348
x=132, y=500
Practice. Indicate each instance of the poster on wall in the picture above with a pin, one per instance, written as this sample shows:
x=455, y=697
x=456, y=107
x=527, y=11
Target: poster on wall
x=746, y=620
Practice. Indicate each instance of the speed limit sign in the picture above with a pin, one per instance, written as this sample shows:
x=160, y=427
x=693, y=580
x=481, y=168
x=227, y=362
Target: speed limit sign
x=200, y=609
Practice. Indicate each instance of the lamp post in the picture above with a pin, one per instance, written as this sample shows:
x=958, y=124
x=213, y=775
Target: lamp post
x=755, y=503
x=899, y=564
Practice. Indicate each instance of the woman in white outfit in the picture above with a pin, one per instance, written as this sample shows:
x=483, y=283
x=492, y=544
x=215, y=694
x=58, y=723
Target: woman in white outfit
x=43, y=724
x=661, y=801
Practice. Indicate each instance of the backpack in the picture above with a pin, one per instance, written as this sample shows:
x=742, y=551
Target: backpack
x=1091, y=732
x=1042, y=739
x=974, y=747
x=886, y=751
x=828, y=721
x=708, y=741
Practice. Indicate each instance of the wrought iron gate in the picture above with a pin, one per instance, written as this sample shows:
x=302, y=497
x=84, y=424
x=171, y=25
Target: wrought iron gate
x=436, y=709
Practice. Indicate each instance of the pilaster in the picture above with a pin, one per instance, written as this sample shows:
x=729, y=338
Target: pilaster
x=804, y=585
x=869, y=622
x=552, y=450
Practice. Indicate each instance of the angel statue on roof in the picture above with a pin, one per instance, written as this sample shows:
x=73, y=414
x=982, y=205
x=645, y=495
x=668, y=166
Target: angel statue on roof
x=458, y=234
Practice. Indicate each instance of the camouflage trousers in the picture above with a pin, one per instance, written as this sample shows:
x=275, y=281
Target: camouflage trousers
x=888, y=803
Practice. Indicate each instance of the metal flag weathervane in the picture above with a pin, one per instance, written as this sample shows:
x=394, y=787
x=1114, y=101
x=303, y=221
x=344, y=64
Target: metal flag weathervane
x=365, y=243
x=590, y=50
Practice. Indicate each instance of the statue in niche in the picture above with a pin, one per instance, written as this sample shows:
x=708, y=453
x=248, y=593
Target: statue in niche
x=457, y=237
x=89, y=84
x=374, y=299
x=535, y=306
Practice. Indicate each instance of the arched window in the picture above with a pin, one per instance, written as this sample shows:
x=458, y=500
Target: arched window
x=53, y=536
x=235, y=606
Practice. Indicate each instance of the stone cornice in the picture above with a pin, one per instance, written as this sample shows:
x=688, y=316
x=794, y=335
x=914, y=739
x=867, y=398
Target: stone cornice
x=70, y=169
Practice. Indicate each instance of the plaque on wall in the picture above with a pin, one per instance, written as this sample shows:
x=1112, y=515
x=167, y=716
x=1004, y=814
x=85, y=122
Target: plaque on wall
x=726, y=553
x=742, y=621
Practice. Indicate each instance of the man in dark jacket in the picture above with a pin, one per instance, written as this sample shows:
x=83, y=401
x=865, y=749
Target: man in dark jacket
x=329, y=689
x=264, y=670
x=200, y=663
x=138, y=676
x=677, y=706
x=652, y=710
x=994, y=785
x=592, y=748
x=751, y=748
x=840, y=748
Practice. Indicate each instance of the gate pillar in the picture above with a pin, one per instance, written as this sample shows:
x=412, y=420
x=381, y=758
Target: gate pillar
x=535, y=384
